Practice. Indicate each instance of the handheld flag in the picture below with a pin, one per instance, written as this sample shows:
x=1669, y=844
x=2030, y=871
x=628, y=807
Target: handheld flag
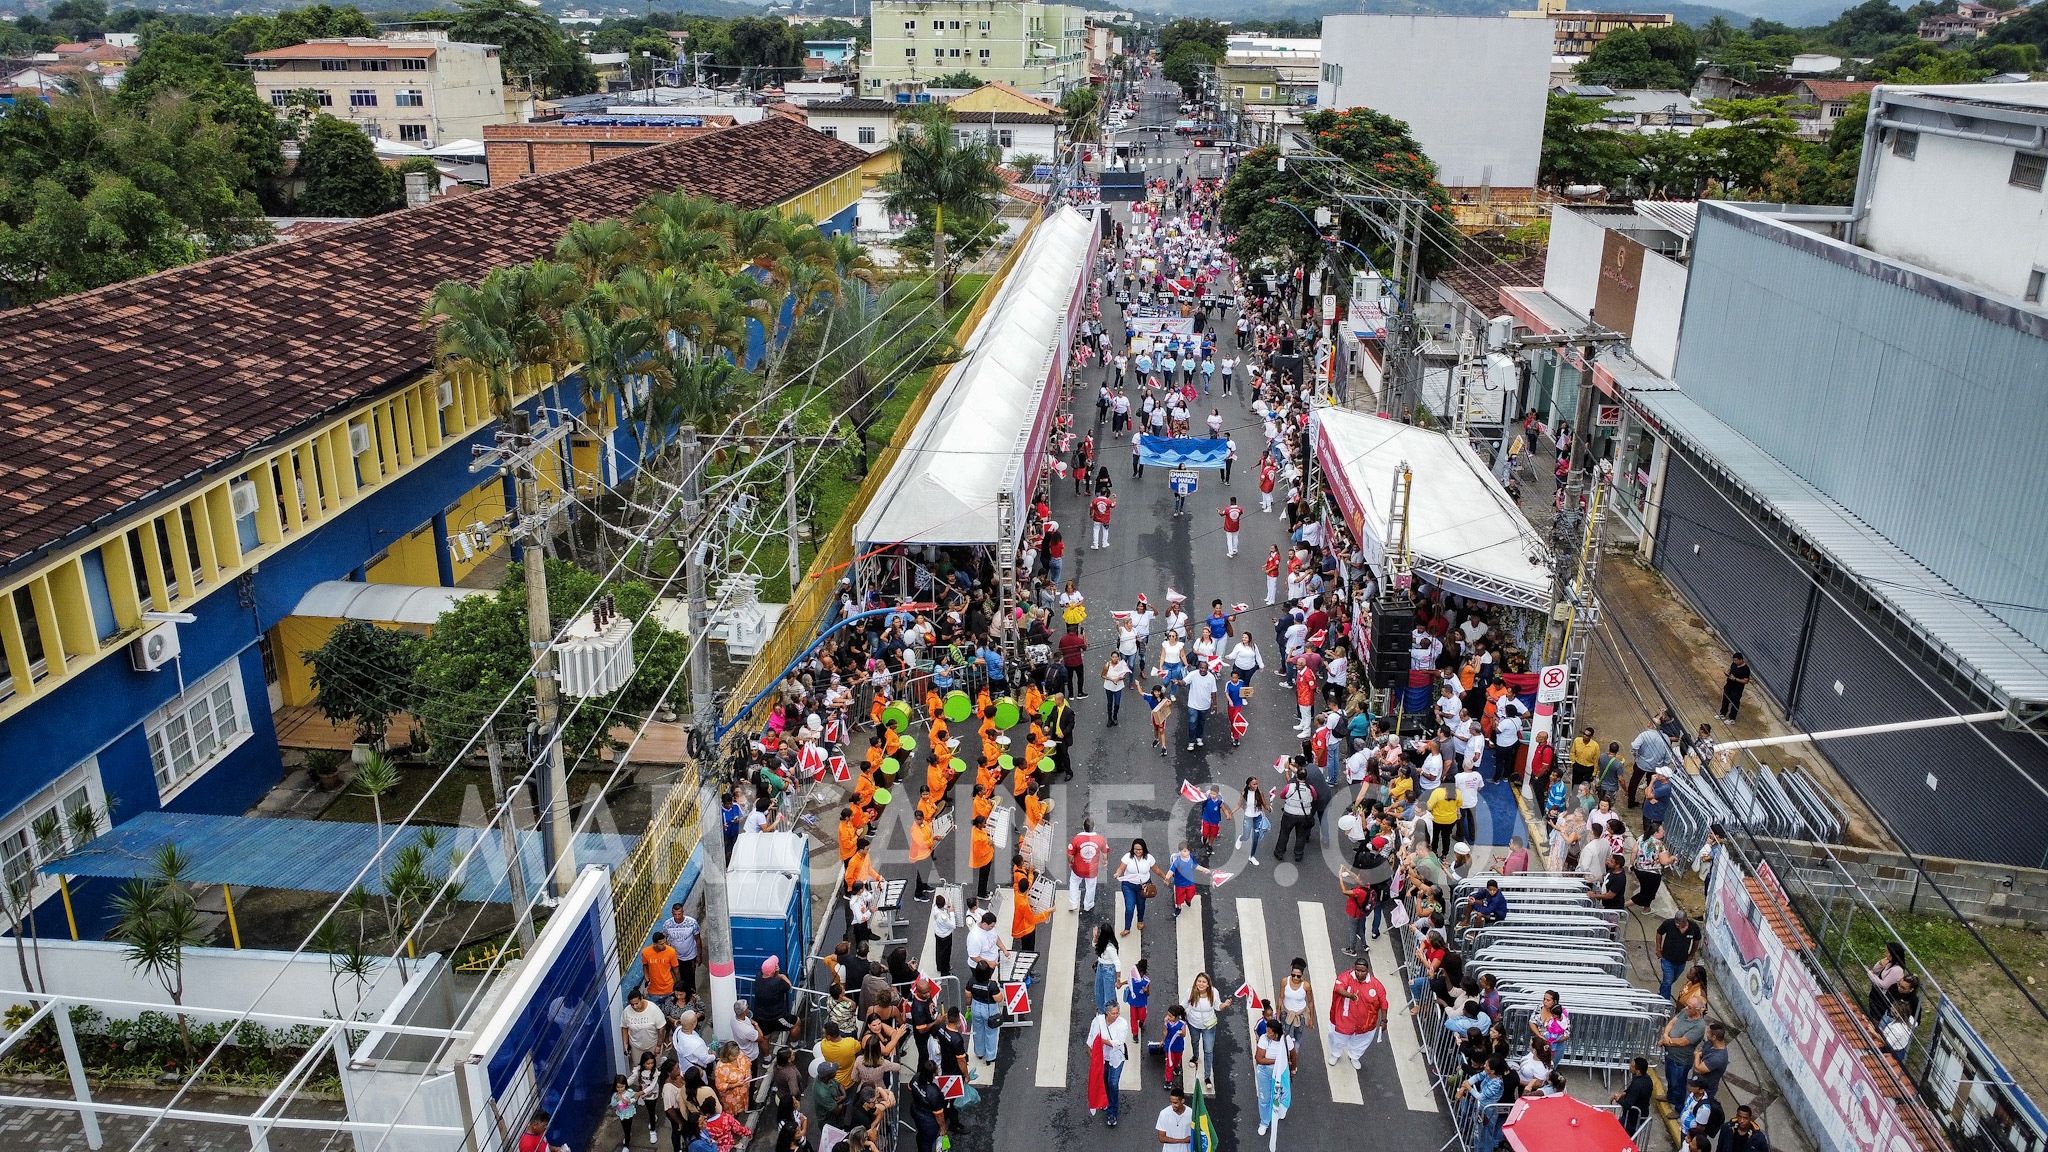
x=1205, y=1129
x=1190, y=793
x=840, y=770
x=1244, y=991
x=1238, y=724
x=1219, y=879
x=952, y=1087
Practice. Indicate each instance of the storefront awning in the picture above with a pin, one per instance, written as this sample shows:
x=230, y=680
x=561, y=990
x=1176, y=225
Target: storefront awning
x=985, y=431
x=1466, y=535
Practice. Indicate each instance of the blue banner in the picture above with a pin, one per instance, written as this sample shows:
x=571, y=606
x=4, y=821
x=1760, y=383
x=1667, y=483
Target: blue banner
x=1182, y=451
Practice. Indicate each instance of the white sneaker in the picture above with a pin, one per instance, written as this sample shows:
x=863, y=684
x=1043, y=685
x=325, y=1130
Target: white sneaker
x=1333, y=1059
x=1255, y=861
x=1262, y=1129
x=1357, y=1067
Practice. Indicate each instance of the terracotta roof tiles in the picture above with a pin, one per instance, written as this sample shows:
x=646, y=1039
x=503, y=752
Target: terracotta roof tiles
x=127, y=392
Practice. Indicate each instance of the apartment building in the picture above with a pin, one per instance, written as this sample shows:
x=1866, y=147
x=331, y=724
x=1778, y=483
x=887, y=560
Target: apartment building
x=419, y=88
x=1575, y=33
x=1037, y=48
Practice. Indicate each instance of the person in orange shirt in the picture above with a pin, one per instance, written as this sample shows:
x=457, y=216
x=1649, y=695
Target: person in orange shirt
x=939, y=733
x=981, y=855
x=860, y=869
x=921, y=848
x=984, y=801
x=987, y=774
x=864, y=790
x=937, y=777
x=934, y=705
x=849, y=834
x=891, y=740
x=1024, y=921
x=875, y=706
x=1037, y=806
x=982, y=701
x=1033, y=700
x=1026, y=768
x=874, y=754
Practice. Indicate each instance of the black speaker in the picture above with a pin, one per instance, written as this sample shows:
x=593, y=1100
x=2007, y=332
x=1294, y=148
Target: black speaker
x=1391, y=631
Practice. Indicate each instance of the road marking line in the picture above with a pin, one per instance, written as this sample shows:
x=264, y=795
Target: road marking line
x=1187, y=933
x=1258, y=965
x=1400, y=1030
x=928, y=960
x=1055, y=999
x=1134, y=1066
x=1322, y=972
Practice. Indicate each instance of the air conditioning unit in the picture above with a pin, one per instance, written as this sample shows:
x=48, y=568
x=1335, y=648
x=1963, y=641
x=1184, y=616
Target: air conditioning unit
x=154, y=648
x=358, y=439
x=446, y=394
x=242, y=498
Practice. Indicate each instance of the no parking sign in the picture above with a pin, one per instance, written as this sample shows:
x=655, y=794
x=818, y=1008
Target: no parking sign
x=1550, y=684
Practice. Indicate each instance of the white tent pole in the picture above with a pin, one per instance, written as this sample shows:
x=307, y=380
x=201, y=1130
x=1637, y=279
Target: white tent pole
x=1866, y=730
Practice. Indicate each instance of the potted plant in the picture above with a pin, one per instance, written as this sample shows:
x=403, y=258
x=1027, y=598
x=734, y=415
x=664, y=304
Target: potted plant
x=323, y=765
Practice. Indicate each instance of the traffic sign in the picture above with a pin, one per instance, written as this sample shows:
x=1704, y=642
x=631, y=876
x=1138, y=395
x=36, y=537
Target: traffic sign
x=1017, y=999
x=1550, y=683
x=1182, y=481
x=1329, y=307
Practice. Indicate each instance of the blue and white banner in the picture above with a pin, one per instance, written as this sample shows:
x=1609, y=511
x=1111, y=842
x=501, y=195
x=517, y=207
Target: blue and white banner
x=1182, y=451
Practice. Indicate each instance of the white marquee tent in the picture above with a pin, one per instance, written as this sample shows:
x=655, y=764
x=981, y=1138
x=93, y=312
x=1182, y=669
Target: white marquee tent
x=985, y=431
x=1464, y=532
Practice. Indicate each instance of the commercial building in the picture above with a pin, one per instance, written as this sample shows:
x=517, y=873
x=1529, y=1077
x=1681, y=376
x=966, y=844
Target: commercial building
x=517, y=151
x=189, y=455
x=1575, y=33
x=1034, y=47
x=415, y=87
x=1473, y=88
x=1851, y=477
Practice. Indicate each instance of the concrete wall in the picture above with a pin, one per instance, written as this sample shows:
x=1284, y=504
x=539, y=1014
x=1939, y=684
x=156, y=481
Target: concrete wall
x=1659, y=305
x=515, y=150
x=218, y=978
x=1951, y=208
x=1473, y=88
x=1993, y=894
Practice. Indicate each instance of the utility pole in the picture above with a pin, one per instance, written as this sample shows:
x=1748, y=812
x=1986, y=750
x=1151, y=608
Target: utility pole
x=517, y=449
x=716, y=922
x=703, y=704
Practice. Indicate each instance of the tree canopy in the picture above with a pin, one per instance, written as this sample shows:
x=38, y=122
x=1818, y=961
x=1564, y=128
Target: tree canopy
x=342, y=174
x=530, y=45
x=1666, y=57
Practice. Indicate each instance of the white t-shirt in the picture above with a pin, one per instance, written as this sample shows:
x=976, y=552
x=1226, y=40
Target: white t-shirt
x=1469, y=784
x=1115, y=676
x=981, y=945
x=1274, y=1044
x=1133, y=869
x=643, y=1026
x=943, y=922
x=1176, y=1127
x=1116, y=1039
x=1201, y=689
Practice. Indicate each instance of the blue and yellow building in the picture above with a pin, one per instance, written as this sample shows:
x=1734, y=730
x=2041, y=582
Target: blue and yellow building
x=184, y=457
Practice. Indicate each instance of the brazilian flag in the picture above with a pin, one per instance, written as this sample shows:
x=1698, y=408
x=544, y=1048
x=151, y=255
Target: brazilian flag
x=1205, y=1132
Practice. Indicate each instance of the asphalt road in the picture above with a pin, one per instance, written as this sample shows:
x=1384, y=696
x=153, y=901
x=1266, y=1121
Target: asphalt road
x=1249, y=929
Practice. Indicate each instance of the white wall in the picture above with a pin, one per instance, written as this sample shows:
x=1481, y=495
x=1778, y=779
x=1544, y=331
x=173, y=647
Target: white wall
x=1660, y=301
x=1951, y=210
x=1571, y=268
x=846, y=126
x=1473, y=88
x=215, y=978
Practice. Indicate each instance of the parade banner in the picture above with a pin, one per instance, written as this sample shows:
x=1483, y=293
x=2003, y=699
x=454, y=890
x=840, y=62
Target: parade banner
x=1182, y=452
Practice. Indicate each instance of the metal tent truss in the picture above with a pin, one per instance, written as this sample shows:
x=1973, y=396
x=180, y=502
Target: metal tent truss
x=260, y=1120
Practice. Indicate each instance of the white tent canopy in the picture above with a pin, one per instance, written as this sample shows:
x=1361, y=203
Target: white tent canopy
x=1465, y=534
x=984, y=432
x=380, y=603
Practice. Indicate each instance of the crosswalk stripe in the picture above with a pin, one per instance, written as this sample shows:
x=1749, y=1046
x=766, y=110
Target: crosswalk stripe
x=1055, y=999
x=928, y=959
x=1127, y=958
x=1258, y=966
x=1415, y=1090
x=1322, y=971
x=1187, y=933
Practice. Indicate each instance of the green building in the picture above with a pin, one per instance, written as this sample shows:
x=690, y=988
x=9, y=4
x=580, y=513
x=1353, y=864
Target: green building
x=1041, y=49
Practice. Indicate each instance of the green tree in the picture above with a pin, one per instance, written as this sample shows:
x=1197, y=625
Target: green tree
x=94, y=192
x=361, y=675
x=1577, y=149
x=1716, y=32
x=881, y=337
x=1739, y=154
x=177, y=63
x=959, y=79
x=1078, y=108
x=530, y=44
x=1666, y=57
x=938, y=175
x=1261, y=230
x=1209, y=33
x=158, y=921
x=1668, y=165
x=762, y=43
x=342, y=174
x=1870, y=28
x=1188, y=63
x=1382, y=149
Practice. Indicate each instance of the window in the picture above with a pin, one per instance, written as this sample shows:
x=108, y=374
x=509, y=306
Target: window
x=193, y=732
x=2034, y=285
x=2029, y=170
x=1834, y=111
x=867, y=134
x=277, y=99
x=323, y=98
x=413, y=64
x=952, y=25
x=1006, y=138
x=831, y=131
x=362, y=98
x=1905, y=145
x=24, y=846
x=953, y=52
x=334, y=65
x=410, y=98
x=910, y=53
x=31, y=631
x=412, y=132
x=910, y=25
x=1238, y=91
x=984, y=55
x=374, y=65
x=1265, y=93
x=983, y=26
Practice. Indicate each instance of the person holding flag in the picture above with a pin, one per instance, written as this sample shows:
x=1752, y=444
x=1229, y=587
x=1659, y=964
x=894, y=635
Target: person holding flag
x=1275, y=1056
x=1109, y=1039
x=1205, y=1130
x=1233, y=697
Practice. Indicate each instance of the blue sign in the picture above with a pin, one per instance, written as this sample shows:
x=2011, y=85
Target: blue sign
x=1182, y=451
x=1182, y=481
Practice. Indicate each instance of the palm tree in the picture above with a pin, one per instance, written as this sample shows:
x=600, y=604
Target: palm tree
x=374, y=777
x=472, y=333
x=546, y=292
x=597, y=248
x=159, y=920
x=938, y=174
x=887, y=337
x=1078, y=107
x=850, y=260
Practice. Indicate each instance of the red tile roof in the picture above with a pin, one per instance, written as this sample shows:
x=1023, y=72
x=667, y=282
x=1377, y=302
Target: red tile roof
x=343, y=49
x=1481, y=284
x=127, y=393
x=1837, y=89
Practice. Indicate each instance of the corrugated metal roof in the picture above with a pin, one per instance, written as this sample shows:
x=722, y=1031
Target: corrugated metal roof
x=1980, y=645
x=380, y=603
x=313, y=855
x=1680, y=216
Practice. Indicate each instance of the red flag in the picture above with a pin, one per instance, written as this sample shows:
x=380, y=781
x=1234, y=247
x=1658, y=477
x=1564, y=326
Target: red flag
x=1238, y=725
x=1244, y=990
x=840, y=771
x=1190, y=793
x=811, y=760
x=1098, y=1089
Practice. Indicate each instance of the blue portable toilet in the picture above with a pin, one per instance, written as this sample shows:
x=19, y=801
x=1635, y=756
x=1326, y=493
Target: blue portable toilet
x=768, y=895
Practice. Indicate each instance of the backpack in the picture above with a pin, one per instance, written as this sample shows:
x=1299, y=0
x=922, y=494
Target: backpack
x=1364, y=858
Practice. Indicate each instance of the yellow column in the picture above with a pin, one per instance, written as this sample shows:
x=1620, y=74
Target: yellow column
x=64, y=887
x=227, y=895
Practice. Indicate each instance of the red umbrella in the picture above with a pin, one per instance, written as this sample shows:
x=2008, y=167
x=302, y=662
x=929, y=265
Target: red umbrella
x=1563, y=1124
